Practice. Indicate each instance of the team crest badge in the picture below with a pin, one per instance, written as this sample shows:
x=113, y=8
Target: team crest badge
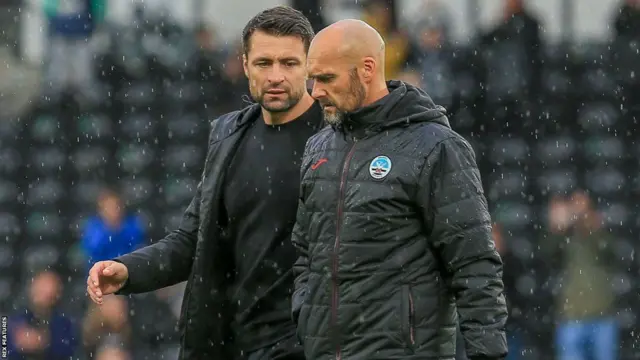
x=380, y=167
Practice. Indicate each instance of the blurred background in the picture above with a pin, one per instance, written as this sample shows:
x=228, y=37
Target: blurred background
x=104, y=122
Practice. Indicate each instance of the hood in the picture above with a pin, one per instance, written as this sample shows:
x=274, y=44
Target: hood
x=405, y=104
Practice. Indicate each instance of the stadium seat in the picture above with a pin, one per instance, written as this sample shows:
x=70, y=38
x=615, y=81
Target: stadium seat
x=137, y=126
x=184, y=158
x=605, y=181
x=507, y=184
x=39, y=257
x=513, y=214
x=179, y=191
x=557, y=181
x=138, y=190
x=598, y=117
x=604, y=150
x=10, y=161
x=139, y=94
x=182, y=93
x=509, y=152
x=625, y=59
x=86, y=161
x=186, y=126
x=47, y=160
x=171, y=220
x=45, y=227
x=7, y=293
x=135, y=158
x=507, y=75
x=93, y=127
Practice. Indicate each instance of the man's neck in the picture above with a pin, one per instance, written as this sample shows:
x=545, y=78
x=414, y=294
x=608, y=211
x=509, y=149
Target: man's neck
x=377, y=93
x=295, y=112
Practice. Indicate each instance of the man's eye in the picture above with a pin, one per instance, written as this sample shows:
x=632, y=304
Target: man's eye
x=291, y=64
x=262, y=65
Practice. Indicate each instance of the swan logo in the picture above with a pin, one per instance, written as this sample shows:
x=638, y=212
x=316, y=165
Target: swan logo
x=380, y=167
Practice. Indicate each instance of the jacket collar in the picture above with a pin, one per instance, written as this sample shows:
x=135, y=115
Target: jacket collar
x=371, y=118
x=248, y=115
x=252, y=113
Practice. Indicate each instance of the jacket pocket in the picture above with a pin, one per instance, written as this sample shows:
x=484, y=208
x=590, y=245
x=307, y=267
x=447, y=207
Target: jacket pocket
x=408, y=317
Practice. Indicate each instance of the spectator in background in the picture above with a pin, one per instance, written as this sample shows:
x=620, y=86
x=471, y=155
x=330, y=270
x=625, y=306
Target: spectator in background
x=515, y=324
x=379, y=15
x=107, y=326
x=312, y=10
x=627, y=20
x=515, y=48
x=112, y=232
x=40, y=331
x=410, y=76
x=582, y=251
x=208, y=65
x=112, y=353
x=70, y=64
x=518, y=22
x=516, y=304
x=432, y=57
x=234, y=83
x=156, y=325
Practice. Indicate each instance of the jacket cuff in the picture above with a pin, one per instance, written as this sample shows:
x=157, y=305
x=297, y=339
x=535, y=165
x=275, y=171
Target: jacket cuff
x=123, y=290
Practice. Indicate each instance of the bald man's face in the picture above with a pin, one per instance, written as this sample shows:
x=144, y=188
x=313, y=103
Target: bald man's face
x=275, y=68
x=337, y=86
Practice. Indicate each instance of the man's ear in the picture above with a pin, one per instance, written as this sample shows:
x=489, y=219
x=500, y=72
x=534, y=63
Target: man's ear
x=368, y=69
x=245, y=65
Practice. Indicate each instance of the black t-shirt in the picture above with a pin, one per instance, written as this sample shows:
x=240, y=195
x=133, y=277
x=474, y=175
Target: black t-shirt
x=261, y=198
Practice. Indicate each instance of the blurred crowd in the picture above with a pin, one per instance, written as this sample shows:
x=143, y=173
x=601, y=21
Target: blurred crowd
x=554, y=128
x=144, y=327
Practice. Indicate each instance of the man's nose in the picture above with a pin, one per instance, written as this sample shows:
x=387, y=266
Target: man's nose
x=317, y=91
x=276, y=75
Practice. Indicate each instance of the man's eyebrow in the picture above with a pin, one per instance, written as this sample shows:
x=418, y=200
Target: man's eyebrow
x=289, y=58
x=262, y=58
x=321, y=76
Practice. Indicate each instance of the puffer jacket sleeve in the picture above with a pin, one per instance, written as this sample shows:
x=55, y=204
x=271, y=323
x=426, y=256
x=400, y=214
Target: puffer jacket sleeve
x=457, y=219
x=301, y=266
x=300, y=240
x=169, y=260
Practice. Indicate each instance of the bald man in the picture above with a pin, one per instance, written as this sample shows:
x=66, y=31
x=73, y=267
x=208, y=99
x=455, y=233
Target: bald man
x=393, y=231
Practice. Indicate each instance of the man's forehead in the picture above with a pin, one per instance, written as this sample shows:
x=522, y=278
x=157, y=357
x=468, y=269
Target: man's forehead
x=326, y=64
x=318, y=65
x=321, y=53
x=264, y=45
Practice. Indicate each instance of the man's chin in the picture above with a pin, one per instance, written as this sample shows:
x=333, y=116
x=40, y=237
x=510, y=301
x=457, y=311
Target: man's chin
x=333, y=117
x=276, y=107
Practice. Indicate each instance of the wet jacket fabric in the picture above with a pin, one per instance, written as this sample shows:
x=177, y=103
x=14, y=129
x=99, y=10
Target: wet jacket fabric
x=394, y=237
x=199, y=252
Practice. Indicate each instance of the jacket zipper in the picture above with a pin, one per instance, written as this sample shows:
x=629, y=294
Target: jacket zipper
x=336, y=245
x=412, y=330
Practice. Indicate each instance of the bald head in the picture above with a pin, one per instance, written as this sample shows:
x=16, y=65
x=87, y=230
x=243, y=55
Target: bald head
x=350, y=39
x=346, y=62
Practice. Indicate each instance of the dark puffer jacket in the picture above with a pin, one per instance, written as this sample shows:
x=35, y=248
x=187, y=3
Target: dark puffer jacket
x=394, y=237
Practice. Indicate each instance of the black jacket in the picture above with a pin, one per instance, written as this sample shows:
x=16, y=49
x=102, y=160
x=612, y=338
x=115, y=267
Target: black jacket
x=197, y=252
x=395, y=251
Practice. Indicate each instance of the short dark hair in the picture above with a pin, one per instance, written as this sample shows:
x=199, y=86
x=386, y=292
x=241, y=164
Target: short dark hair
x=278, y=21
